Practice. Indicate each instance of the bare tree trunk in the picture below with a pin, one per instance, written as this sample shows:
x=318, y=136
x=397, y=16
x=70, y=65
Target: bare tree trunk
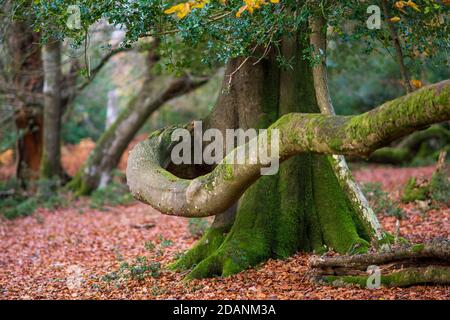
x=22, y=76
x=398, y=48
x=29, y=144
x=51, y=156
x=318, y=40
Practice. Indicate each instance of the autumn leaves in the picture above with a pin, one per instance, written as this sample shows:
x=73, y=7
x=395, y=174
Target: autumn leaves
x=183, y=9
x=401, y=6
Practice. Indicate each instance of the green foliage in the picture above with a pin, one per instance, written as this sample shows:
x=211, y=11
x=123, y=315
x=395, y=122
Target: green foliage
x=380, y=201
x=149, y=245
x=163, y=242
x=115, y=193
x=437, y=189
x=440, y=187
x=413, y=192
x=222, y=35
x=139, y=269
x=16, y=203
x=197, y=227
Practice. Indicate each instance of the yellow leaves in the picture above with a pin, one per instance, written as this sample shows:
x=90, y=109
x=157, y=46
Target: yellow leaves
x=416, y=83
x=401, y=4
x=251, y=5
x=413, y=5
x=394, y=19
x=183, y=9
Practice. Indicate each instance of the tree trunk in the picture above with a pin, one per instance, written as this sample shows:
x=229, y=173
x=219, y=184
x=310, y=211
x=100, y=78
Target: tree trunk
x=51, y=156
x=29, y=122
x=109, y=148
x=398, y=48
x=302, y=207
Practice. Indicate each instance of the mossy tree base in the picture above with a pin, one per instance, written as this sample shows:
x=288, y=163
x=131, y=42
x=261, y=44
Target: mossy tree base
x=301, y=208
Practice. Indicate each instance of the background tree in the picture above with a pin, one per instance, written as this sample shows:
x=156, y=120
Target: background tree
x=51, y=156
x=21, y=87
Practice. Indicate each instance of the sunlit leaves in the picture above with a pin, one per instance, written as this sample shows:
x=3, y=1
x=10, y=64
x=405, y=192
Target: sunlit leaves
x=182, y=9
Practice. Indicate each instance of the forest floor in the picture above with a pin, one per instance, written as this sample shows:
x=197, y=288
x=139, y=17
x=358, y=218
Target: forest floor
x=66, y=254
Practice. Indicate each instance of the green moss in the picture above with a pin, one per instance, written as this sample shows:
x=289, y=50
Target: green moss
x=391, y=155
x=78, y=185
x=418, y=247
x=206, y=246
x=228, y=172
x=413, y=192
x=290, y=235
x=336, y=216
x=336, y=143
x=401, y=278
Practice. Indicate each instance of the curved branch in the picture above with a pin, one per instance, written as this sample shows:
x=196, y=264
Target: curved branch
x=214, y=192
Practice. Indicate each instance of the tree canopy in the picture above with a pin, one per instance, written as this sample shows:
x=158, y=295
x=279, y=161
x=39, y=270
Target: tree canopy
x=230, y=28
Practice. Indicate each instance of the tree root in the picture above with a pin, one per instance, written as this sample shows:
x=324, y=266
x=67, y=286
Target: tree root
x=204, y=247
x=404, y=266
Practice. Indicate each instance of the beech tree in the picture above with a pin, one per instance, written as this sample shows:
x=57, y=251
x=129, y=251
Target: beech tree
x=276, y=78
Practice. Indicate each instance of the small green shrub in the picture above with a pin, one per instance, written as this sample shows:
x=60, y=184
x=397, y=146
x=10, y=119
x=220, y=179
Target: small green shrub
x=140, y=269
x=15, y=202
x=380, y=201
x=164, y=243
x=440, y=187
x=412, y=191
x=149, y=246
x=437, y=189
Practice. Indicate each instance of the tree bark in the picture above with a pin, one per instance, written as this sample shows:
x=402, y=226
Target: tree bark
x=23, y=76
x=299, y=133
x=403, y=266
x=318, y=39
x=398, y=48
x=51, y=156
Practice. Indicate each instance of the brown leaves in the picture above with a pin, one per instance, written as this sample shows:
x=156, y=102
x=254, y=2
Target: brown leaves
x=43, y=255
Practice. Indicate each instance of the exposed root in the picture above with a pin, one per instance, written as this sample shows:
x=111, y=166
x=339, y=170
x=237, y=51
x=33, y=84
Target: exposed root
x=404, y=266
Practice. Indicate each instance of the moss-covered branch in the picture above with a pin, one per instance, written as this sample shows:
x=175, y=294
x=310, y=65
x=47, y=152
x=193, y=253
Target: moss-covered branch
x=214, y=192
x=411, y=146
x=405, y=266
